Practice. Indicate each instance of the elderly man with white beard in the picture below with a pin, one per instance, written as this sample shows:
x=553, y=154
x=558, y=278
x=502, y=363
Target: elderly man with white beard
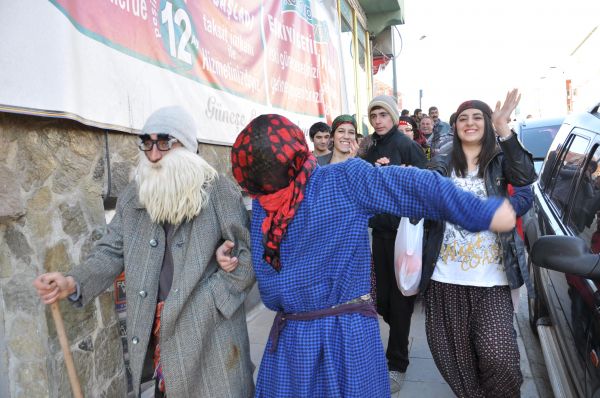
x=186, y=324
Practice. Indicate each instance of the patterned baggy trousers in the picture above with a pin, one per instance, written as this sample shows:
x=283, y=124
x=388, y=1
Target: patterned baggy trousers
x=472, y=339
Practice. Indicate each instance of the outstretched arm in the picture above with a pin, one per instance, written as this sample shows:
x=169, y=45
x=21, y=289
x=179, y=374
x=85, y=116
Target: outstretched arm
x=415, y=193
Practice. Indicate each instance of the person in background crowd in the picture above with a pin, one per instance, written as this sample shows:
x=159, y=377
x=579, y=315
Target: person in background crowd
x=359, y=139
x=467, y=277
x=406, y=128
x=420, y=139
x=320, y=135
x=391, y=147
x=417, y=115
x=185, y=315
x=426, y=128
x=410, y=120
x=405, y=113
x=440, y=127
x=310, y=251
x=442, y=144
x=344, y=141
x=442, y=132
x=415, y=135
x=452, y=121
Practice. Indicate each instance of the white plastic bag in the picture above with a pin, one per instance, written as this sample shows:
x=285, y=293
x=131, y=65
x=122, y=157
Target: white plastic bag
x=408, y=256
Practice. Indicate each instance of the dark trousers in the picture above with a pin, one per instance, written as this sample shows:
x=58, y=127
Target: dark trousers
x=395, y=308
x=472, y=339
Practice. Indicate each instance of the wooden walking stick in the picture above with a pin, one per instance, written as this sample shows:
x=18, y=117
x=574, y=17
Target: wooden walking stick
x=64, y=344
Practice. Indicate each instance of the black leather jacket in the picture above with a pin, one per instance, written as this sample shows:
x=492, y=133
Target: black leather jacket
x=511, y=165
x=401, y=150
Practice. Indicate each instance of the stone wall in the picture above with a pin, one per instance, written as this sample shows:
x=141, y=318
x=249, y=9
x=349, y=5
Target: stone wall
x=53, y=174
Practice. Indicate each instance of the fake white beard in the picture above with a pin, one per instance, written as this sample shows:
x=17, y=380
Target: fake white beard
x=174, y=189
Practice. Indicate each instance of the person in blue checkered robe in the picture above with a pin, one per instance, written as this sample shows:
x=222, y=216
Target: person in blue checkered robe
x=311, y=255
x=326, y=259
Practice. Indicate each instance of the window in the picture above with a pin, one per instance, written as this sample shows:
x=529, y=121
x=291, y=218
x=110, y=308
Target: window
x=586, y=202
x=537, y=140
x=566, y=171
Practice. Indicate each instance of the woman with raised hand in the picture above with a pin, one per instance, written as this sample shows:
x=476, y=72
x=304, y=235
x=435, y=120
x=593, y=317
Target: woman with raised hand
x=468, y=276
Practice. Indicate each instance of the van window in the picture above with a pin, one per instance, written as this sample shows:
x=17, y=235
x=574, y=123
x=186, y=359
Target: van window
x=586, y=202
x=537, y=140
x=565, y=174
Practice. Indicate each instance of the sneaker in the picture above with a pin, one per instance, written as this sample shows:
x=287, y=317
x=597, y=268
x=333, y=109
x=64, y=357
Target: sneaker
x=396, y=379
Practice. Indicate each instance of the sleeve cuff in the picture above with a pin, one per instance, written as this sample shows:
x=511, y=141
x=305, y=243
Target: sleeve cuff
x=75, y=298
x=508, y=137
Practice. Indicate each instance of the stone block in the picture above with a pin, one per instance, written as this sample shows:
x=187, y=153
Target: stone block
x=86, y=145
x=84, y=367
x=72, y=171
x=31, y=380
x=11, y=202
x=40, y=200
x=108, y=355
x=91, y=199
x=117, y=387
x=19, y=295
x=57, y=258
x=79, y=322
x=17, y=242
x=73, y=221
x=120, y=172
x=98, y=173
x=89, y=243
x=123, y=147
x=106, y=308
x=38, y=161
x=39, y=224
x=217, y=156
x=6, y=268
x=24, y=339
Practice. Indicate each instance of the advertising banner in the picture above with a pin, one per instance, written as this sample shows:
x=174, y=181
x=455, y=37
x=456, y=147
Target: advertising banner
x=110, y=63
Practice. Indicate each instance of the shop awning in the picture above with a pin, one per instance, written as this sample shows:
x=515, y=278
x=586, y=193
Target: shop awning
x=382, y=13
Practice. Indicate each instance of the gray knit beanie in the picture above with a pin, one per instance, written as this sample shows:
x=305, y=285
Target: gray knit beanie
x=388, y=103
x=176, y=122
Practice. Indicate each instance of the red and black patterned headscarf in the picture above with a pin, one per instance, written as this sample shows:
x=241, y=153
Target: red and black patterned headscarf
x=271, y=161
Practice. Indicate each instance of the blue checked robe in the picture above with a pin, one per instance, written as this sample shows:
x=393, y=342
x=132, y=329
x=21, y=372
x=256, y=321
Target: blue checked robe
x=326, y=259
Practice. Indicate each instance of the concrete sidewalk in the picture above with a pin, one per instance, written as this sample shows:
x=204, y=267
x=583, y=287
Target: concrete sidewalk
x=421, y=379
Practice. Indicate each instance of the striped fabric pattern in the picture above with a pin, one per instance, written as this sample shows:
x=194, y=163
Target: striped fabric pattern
x=326, y=261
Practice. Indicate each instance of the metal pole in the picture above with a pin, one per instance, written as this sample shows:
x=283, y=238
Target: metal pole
x=394, y=78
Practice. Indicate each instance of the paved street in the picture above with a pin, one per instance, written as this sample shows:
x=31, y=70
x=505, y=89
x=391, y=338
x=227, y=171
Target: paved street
x=422, y=378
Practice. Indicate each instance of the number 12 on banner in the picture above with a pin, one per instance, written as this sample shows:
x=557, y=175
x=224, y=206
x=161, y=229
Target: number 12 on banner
x=171, y=20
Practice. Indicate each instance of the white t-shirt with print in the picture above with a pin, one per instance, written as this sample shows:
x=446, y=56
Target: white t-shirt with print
x=470, y=258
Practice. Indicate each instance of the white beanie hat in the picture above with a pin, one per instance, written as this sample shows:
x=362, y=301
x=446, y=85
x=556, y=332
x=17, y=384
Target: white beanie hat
x=176, y=122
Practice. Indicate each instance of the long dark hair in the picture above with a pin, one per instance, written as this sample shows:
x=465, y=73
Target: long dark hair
x=488, y=149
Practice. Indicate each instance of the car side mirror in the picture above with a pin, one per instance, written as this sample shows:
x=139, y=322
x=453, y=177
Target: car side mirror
x=568, y=254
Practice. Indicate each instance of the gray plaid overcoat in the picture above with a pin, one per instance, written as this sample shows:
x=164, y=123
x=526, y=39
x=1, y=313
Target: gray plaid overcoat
x=204, y=340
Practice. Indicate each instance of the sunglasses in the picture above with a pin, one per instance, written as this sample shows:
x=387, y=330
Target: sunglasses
x=163, y=143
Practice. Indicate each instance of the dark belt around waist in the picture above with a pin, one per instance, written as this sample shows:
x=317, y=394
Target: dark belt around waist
x=363, y=306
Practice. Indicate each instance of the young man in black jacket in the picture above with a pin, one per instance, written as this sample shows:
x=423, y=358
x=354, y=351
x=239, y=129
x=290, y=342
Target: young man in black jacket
x=391, y=147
